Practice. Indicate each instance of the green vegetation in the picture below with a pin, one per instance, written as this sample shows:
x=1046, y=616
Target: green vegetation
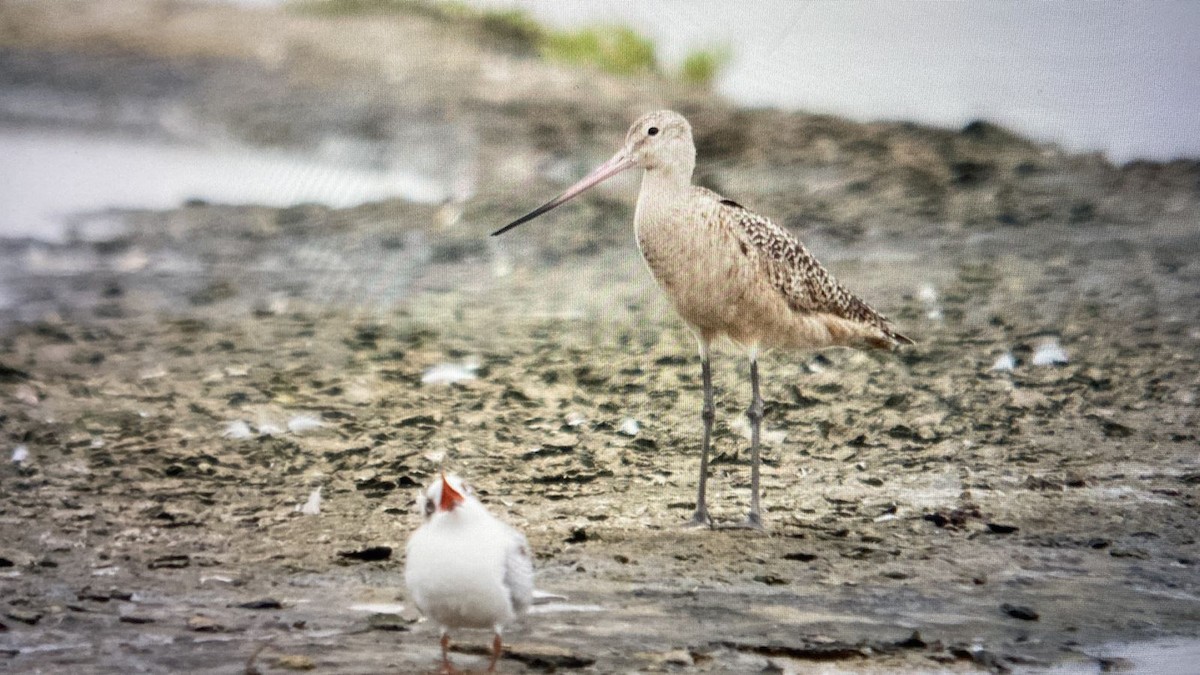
x=700, y=68
x=614, y=49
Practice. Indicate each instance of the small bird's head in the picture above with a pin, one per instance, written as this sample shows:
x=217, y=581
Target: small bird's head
x=443, y=496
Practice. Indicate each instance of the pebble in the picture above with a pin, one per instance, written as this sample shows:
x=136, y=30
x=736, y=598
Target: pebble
x=28, y=616
x=295, y=662
x=1019, y=612
x=204, y=624
x=302, y=423
x=368, y=554
x=388, y=621
x=311, y=507
x=20, y=453
x=629, y=427
x=1049, y=353
x=449, y=373
x=238, y=431
x=1004, y=363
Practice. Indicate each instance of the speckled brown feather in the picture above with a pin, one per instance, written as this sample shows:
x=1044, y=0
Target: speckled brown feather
x=806, y=285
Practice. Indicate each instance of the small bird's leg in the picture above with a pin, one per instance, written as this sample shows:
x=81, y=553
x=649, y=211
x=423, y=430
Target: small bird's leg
x=496, y=647
x=707, y=414
x=446, y=669
x=755, y=414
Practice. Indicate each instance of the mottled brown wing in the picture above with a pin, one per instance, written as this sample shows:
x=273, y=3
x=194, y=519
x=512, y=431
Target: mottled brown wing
x=803, y=281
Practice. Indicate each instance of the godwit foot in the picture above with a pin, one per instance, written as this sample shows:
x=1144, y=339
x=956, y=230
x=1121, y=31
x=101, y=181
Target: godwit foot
x=699, y=519
x=753, y=521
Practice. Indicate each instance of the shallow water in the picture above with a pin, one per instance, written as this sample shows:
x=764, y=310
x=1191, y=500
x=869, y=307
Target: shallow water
x=119, y=171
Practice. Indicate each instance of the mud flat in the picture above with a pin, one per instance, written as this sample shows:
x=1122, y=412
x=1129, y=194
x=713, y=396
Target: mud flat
x=1019, y=491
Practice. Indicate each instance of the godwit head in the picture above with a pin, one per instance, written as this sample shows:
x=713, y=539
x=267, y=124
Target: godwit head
x=657, y=141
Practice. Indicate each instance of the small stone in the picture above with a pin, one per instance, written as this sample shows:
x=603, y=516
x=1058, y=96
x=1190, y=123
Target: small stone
x=1049, y=353
x=170, y=562
x=135, y=619
x=312, y=507
x=28, y=616
x=1019, y=612
x=238, y=430
x=295, y=662
x=264, y=603
x=676, y=657
x=388, y=621
x=204, y=624
x=370, y=553
x=770, y=580
x=1004, y=363
x=547, y=657
x=629, y=427
x=302, y=423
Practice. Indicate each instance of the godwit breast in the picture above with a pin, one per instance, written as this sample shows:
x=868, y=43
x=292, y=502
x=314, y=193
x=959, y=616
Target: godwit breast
x=729, y=272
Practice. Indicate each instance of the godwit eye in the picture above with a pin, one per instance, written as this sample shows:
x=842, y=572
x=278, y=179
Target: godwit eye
x=428, y=507
x=652, y=131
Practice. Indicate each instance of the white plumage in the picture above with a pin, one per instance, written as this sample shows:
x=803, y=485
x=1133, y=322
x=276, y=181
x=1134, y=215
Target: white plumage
x=465, y=568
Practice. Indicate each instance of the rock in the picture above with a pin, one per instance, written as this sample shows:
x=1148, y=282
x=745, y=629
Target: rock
x=388, y=621
x=135, y=619
x=28, y=616
x=770, y=580
x=295, y=662
x=675, y=657
x=177, y=561
x=370, y=553
x=1019, y=612
x=1129, y=552
x=264, y=603
x=204, y=624
x=546, y=657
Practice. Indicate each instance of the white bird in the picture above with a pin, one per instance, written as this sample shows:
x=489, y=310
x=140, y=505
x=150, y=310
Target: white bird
x=465, y=568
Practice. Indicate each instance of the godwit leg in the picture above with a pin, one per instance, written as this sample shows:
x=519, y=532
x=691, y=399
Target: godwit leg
x=446, y=669
x=755, y=414
x=707, y=414
x=496, y=647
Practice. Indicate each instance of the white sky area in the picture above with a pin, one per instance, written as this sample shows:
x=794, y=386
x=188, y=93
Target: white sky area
x=1119, y=77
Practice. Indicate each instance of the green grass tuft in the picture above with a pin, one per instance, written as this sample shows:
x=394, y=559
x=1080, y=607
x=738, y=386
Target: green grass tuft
x=616, y=49
x=701, y=68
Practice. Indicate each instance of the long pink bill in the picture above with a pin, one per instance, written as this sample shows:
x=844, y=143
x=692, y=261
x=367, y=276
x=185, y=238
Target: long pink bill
x=615, y=165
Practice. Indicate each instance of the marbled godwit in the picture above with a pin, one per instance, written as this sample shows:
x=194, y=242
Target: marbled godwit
x=465, y=568
x=728, y=272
